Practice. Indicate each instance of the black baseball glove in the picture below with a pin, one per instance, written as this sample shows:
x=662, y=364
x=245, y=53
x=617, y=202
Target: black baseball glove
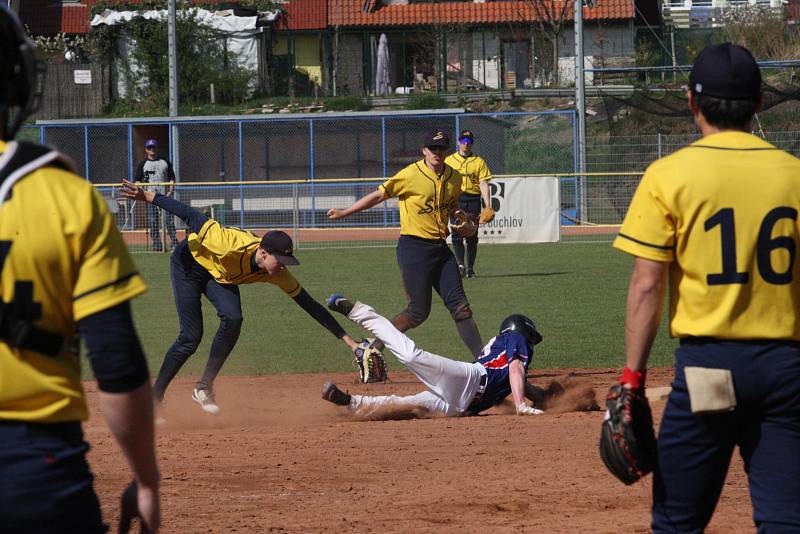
x=627, y=440
x=370, y=362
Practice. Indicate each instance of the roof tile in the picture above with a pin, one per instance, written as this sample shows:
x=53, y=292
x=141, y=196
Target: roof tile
x=350, y=12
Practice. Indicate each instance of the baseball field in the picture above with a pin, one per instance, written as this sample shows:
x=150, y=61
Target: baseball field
x=280, y=459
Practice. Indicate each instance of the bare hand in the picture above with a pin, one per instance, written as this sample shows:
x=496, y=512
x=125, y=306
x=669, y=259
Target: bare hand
x=142, y=503
x=335, y=213
x=134, y=192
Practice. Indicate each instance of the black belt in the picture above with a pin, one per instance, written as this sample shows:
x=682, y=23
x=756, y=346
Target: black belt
x=10, y=428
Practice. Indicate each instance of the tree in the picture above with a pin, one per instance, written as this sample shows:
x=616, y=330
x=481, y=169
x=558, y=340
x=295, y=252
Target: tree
x=549, y=16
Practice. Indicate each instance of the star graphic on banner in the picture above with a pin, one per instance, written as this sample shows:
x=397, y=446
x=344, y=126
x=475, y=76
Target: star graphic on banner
x=492, y=232
x=499, y=232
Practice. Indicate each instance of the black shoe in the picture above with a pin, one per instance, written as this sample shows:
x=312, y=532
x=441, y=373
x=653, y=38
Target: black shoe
x=335, y=395
x=470, y=274
x=338, y=302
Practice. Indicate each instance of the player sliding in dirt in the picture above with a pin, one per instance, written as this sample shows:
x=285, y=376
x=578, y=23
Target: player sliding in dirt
x=454, y=388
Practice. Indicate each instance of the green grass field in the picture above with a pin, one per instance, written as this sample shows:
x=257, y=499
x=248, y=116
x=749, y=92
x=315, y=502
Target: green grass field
x=574, y=292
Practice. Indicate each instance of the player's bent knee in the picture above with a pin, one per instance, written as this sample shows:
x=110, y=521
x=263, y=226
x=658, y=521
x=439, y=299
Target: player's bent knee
x=462, y=312
x=405, y=321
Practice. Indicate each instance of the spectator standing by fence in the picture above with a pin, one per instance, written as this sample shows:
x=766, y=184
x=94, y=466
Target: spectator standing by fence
x=157, y=170
x=474, y=189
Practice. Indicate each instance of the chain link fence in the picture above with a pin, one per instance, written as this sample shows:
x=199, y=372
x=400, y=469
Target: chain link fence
x=261, y=174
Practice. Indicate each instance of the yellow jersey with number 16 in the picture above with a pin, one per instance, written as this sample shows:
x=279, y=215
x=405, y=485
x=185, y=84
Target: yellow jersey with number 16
x=724, y=212
x=61, y=260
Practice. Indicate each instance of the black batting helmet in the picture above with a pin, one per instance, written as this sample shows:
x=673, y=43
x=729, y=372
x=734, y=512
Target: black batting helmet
x=21, y=76
x=522, y=324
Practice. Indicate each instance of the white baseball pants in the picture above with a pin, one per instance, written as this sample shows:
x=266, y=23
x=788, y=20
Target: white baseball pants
x=452, y=385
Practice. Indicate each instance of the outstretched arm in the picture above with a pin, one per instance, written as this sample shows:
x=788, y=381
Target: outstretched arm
x=363, y=203
x=193, y=218
x=323, y=317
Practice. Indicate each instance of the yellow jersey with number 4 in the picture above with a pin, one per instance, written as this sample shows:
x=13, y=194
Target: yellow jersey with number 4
x=425, y=199
x=474, y=170
x=724, y=212
x=226, y=254
x=61, y=260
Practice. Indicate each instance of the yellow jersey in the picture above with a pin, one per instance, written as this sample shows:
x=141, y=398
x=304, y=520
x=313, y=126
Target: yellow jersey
x=474, y=170
x=61, y=259
x=425, y=199
x=723, y=212
x=226, y=254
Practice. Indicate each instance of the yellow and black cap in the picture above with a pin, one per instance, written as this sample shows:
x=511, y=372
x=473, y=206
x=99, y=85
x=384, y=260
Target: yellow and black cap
x=436, y=138
x=466, y=136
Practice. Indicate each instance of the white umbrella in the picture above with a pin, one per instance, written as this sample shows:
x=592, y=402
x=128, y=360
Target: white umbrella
x=382, y=67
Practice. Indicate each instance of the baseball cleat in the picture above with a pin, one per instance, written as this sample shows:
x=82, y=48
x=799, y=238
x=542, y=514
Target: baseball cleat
x=333, y=394
x=338, y=302
x=205, y=398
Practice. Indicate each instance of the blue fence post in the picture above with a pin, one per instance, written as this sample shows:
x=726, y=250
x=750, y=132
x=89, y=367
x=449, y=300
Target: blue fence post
x=458, y=128
x=383, y=145
x=313, y=189
x=86, y=151
x=41, y=135
x=130, y=151
x=241, y=174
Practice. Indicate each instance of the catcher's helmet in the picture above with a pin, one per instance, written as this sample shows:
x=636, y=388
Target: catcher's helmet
x=21, y=76
x=522, y=324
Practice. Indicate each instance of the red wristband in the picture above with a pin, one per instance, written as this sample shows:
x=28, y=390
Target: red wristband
x=633, y=378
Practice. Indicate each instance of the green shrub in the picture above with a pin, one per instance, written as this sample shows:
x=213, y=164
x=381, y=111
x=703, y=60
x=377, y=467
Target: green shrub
x=426, y=101
x=346, y=103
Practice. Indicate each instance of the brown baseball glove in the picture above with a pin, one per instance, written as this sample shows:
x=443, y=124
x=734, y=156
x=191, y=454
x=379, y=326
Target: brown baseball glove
x=463, y=224
x=487, y=215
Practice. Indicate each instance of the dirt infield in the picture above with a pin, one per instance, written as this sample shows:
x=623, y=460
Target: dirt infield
x=280, y=459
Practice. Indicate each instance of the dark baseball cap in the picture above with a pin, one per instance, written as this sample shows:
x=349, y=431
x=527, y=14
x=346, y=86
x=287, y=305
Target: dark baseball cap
x=466, y=135
x=150, y=142
x=279, y=244
x=436, y=138
x=726, y=71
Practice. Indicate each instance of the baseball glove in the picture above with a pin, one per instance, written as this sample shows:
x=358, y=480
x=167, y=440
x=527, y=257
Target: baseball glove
x=487, y=215
x=370, y=362
x=627, y=440
x=463, y=224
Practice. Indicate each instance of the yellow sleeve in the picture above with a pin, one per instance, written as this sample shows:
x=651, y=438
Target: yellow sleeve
x=287, y=282
x=648, y=230
x=107, y=275
x=396, y=185
x=483, y=171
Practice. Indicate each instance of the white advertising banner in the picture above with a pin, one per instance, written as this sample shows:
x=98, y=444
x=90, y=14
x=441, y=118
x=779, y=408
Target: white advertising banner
x=527, y=210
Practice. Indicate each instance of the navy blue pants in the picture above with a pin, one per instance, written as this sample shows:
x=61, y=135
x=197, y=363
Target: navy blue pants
x=154, y=215
x=190, y=281
x=694, y=451
x=428, y=265
x=45, y=482
x=472, y=205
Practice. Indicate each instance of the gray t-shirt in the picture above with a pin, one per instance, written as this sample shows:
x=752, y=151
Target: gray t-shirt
x=155, y=171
